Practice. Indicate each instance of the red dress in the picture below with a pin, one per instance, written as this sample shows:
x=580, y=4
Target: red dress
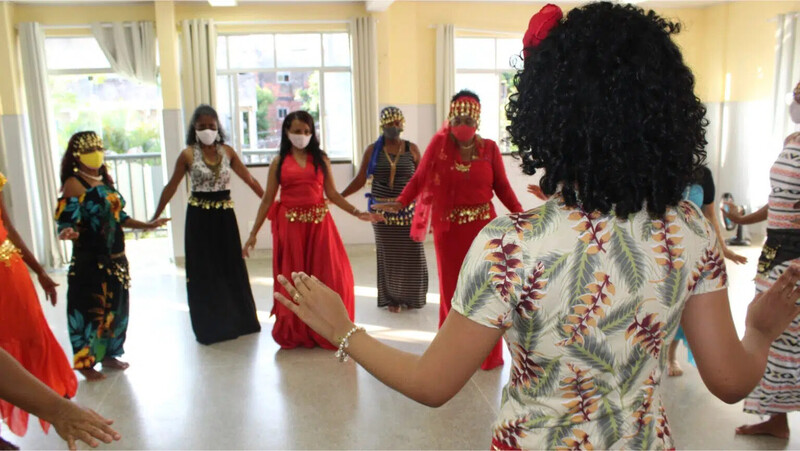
x=473, y=186
x=304, y=238
x=25, y=335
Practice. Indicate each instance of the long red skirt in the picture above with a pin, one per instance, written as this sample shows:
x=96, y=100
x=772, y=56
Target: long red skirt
x=451, y=249
x=25, y=335
x=317, y=250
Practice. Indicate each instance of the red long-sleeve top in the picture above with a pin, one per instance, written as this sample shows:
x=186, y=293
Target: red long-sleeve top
x=486, y=176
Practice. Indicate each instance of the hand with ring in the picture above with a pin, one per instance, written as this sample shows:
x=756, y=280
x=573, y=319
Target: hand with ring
x=315, y=304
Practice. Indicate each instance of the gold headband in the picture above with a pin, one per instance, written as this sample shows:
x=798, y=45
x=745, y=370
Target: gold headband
x=392, y=115
x=88, y=142
x=465, y=106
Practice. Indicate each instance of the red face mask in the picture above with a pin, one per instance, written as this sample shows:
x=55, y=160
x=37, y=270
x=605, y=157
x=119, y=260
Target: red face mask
x=463, y=132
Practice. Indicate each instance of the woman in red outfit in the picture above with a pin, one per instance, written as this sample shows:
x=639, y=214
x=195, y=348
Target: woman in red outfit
x=304, y=237
x=453, y=187
x=24, y=332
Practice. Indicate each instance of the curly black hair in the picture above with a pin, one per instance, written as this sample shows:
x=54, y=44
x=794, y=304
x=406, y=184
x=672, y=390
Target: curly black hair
x=203, y=110
x=605, y=105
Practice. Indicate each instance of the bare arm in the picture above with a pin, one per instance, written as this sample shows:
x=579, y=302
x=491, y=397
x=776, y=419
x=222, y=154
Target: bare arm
x=731, y=368
x=361, y=178
x=48, y=285
x=710, y=212
x=341, y=202
x=263, y=208
x=177, y=175
x=241, y=170
x=432, y=378
x=136, y=224
x=72, y=423
x=415, y=153
x=752, y=218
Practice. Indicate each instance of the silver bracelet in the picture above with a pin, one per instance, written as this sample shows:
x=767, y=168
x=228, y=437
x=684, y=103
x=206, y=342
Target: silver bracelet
x=344, y=342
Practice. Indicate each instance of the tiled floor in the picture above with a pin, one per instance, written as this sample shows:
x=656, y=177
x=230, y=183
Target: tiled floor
x=248, y=394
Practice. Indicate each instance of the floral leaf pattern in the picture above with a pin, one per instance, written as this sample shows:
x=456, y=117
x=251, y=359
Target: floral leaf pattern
x=586, y=302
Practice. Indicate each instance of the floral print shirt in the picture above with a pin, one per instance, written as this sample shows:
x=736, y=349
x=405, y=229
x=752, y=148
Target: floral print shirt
x=588, y=303
x=98, y=216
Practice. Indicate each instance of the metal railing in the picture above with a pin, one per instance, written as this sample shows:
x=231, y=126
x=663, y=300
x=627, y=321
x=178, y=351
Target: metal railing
x=139, y=178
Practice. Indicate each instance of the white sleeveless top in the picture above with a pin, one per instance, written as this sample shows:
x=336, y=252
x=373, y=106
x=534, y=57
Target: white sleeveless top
x=204, y=178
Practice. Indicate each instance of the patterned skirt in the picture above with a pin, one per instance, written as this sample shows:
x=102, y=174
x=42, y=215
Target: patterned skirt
x=779, y=389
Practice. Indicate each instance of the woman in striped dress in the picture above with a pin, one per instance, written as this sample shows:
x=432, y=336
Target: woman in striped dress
x=778, y=393
x=390, y=163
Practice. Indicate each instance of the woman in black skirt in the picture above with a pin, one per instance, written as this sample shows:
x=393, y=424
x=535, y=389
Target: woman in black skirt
x=390, y=163
x=220, y=299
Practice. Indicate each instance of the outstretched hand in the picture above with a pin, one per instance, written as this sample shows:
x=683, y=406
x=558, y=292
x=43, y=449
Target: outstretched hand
x=49, y=287
x=68, y=234
x=734, y=257
x=73, y=422
x=772, y=311
x=732, y=213
x=536, y=190
x=157, y=223
x=371, y=217
x=391, y=207
x=315, y=304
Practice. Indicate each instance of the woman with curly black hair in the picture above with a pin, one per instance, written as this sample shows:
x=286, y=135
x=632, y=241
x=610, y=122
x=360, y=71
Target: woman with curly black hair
x=589, y=287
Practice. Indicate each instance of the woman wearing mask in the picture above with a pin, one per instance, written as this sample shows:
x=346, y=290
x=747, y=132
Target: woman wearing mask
x=91, y=213
x=217, y=286
x=304, y=236
x=390, y=163
x=453, y=190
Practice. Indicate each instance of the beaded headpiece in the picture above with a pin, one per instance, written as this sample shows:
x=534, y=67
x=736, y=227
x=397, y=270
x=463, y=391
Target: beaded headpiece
x=465, y=106
x=390, y=115
x=89, y=141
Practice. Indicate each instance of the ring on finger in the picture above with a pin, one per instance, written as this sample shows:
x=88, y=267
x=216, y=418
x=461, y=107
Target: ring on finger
x=297, y=296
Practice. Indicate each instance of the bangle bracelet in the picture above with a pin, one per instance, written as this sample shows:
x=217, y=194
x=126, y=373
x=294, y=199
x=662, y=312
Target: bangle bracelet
x=344, y=343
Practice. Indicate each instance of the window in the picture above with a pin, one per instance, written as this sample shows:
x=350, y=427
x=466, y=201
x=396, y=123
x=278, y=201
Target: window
x=261, y=78
x=487, y=66
x=87, y=95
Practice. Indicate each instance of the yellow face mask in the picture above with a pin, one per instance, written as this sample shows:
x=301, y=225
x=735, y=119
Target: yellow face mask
x=93, y=160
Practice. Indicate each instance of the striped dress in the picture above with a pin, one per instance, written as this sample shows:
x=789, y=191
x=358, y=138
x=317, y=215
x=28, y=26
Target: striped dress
x=779, y=389
x=402, y=269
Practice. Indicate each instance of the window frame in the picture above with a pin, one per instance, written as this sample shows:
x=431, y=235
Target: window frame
x=504, y=150
x=322, y=69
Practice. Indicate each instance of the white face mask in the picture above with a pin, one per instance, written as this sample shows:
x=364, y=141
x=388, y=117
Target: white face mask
x=207, y=137
x=794, y=112
x=299, y=141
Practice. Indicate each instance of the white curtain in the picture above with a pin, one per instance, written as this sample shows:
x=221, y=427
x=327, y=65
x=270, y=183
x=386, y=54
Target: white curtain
x=445, y=70
x=199, y=64
x=787, y=74
x=365, y=81
x=130, y=48
x=42, y=127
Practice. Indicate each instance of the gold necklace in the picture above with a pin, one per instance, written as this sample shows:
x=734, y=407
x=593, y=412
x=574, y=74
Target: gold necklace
x=214, y=167
x=461, y=167
x=393, y=164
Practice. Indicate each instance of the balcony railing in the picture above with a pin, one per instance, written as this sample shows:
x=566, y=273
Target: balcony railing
x=139, y=178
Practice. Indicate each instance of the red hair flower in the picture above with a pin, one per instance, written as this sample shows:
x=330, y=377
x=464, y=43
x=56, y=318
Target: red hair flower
x=540, y=25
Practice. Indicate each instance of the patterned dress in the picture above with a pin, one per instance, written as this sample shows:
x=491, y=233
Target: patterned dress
x=588, y=303
x=98, y=279
x=25, y=334
x=221, y=304
x=402, y=269
x=779, y=389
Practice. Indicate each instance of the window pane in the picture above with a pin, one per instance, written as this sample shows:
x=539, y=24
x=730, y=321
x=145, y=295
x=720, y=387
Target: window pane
x=222, y=52
x=298, y=50
x=74, y=53
x=337, y=49
x=251, y=51
x=475, y=53
x=224, y=108
x=339, y=115
x=486, y=86
x=263, y=103
x=506, y=89
x=508, y=53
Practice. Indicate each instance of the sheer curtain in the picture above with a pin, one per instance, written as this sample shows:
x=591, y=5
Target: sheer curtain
x=787, y=74
x=130, y=48
x=445, y=70
x=365, y=81
x=199, y=64
x=42, y=126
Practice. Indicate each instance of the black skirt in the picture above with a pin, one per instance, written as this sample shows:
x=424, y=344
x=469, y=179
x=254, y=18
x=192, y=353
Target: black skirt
x=221, y=302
